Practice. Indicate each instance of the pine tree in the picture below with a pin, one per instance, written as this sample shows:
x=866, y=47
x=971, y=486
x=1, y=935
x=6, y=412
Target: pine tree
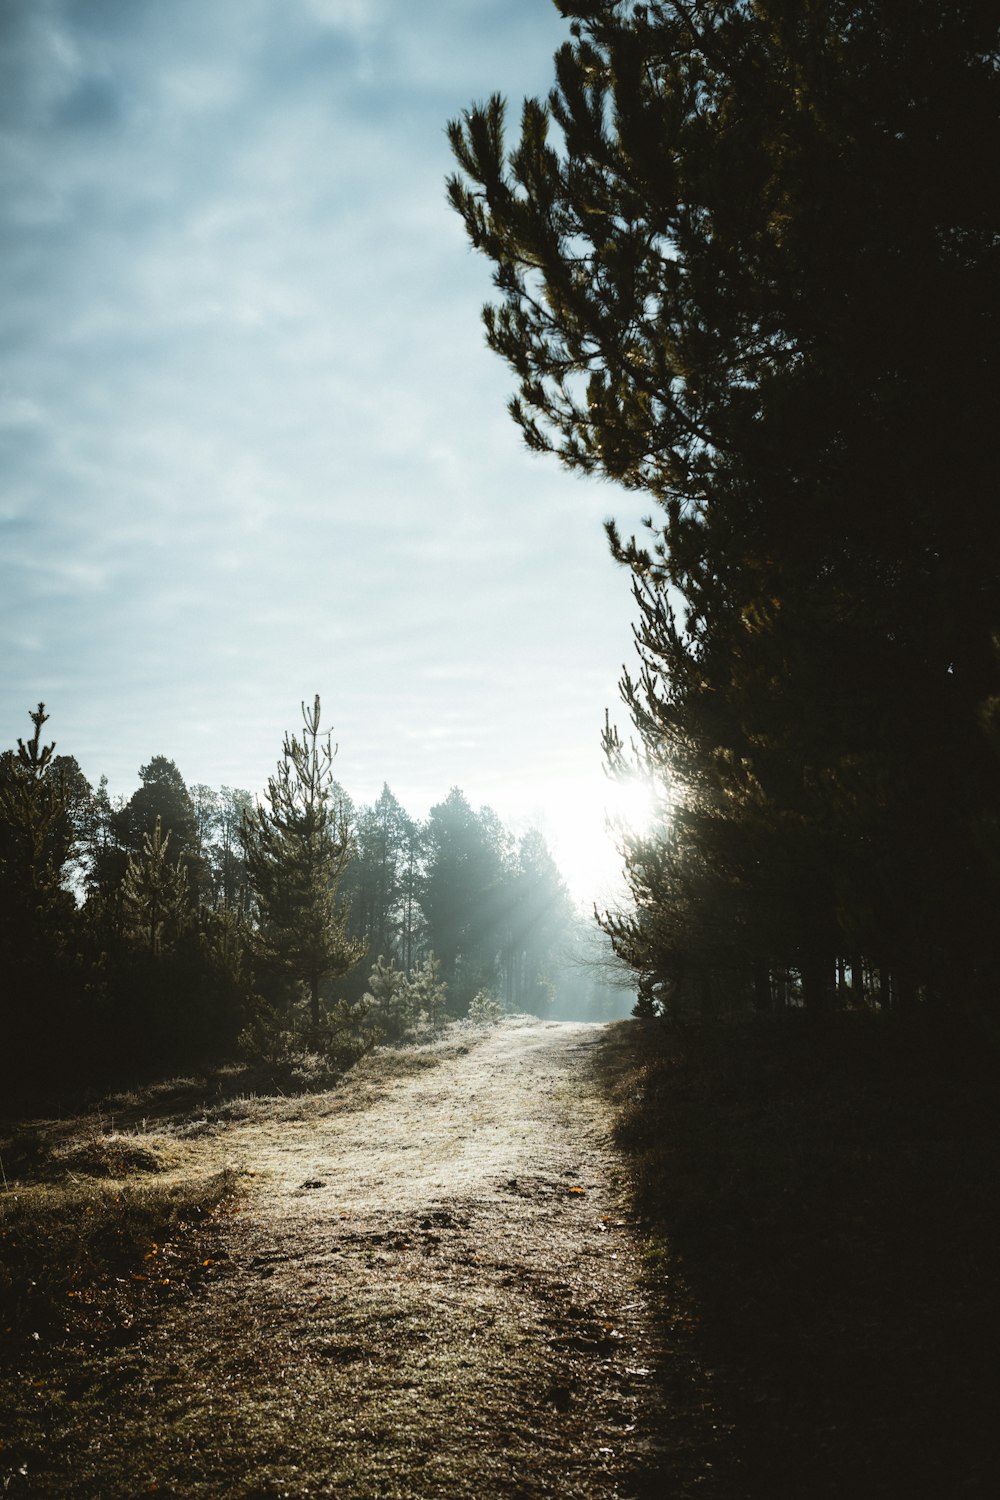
x=747, y=265
x=228, y=862
x=37, y=840
x=427, y=992
x=163, y=794
x=389, y=999
x=298, y=846
x=463, y=893
x=36, y=835
x=38, y=921
x=155, y=898
x=377, y=883
x=537, y=920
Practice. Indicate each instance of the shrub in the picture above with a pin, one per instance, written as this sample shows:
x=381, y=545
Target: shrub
x=485, y=1009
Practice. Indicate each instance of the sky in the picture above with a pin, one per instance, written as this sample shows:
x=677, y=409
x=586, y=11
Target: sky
x=253, y=446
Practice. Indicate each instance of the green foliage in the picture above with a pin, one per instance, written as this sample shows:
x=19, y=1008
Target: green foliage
x=538, y=919
x=226, y=853
x=107, y=851
x=380, y=883
x=297, y=848
x=163, y=795
x=390, y=999
x=496, y=914
x=37, y=834
x=284, y=1046
x=427, y=992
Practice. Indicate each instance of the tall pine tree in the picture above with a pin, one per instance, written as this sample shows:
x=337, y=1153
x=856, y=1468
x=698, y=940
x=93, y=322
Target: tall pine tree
x=747, y=263
x=298, y=844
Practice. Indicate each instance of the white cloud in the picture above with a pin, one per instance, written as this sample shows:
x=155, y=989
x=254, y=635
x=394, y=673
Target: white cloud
x=365, y=17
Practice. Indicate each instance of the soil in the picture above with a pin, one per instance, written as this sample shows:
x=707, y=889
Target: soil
x=431, y=1287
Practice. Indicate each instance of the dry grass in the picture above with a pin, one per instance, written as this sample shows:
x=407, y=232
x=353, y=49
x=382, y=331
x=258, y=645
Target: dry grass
x=429, y=1290
x=76, y=1254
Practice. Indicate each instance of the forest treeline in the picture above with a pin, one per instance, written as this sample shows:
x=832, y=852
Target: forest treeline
x=186, y=924
x=747, y=265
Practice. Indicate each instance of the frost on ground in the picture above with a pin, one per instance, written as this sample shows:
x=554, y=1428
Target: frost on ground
x=430, y=1288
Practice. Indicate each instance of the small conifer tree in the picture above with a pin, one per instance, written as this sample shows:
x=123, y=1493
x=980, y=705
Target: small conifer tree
x=389, y=998
x=428, y=992
x=36, y=842
x=485, y=1009
x=38, y=919
x=298, y=844
x=155, y=893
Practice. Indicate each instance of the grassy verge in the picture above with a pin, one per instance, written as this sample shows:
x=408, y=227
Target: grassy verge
x=80, y=1257
x=829, y=1198
x=84, y=1265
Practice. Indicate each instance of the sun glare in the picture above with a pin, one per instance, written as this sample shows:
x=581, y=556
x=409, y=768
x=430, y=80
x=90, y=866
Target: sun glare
x=583, y=821
x=630, y=805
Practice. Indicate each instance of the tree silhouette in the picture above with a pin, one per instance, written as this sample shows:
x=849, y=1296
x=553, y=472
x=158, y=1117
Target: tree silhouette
x=38, y=919
x=745, y=264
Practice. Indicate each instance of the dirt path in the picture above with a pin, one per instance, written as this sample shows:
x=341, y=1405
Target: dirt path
x=432, y=1294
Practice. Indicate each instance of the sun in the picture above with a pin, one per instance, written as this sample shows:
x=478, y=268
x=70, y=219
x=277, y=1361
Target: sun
x=582, y=821
x=630, y=804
